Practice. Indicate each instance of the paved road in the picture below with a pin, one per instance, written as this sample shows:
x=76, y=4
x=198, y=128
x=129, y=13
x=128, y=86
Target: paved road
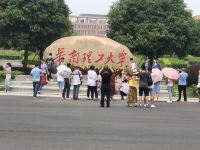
x=50, y=124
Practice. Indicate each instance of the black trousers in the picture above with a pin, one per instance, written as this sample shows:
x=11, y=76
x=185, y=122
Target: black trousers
x=105, y=91
x=49, y=76
x=91, y=89
x=180, y=89
x=67, y=86
x=122, y=94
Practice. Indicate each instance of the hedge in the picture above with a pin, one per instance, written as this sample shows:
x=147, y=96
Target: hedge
x=173, y=62
x=178, y=63
x=193, y=60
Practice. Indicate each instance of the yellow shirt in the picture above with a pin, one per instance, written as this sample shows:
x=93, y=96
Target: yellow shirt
x=132, y=82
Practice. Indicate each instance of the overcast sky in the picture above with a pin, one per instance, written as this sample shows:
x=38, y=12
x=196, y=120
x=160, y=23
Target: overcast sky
x=102, y=6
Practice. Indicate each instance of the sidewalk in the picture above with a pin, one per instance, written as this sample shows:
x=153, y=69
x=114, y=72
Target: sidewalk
x=116, y=97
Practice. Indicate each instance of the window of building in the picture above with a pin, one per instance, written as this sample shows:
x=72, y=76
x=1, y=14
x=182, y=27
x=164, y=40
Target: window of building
x=82, y=21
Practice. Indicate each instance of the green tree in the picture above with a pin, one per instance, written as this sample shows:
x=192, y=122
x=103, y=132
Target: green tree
x=32, y=24
x=195, y=48
x=152, y=27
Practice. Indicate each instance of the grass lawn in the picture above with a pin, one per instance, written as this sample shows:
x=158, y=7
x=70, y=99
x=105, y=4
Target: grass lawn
x=11, y=54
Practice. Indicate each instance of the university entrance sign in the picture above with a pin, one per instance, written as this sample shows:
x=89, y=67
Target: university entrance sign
x=89, y=50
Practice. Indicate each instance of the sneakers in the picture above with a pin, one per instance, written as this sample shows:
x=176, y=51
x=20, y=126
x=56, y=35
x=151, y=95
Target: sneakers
x=140, y=105
x=169, y=101
x=63, y=98
x=153, y=106
x=147, y=106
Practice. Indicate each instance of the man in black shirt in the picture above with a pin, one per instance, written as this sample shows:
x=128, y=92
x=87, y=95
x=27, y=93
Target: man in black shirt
x=50, y=62
x=106, y=73
x=144, y=80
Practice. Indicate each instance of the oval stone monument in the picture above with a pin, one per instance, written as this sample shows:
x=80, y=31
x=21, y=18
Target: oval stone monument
x=89, y=50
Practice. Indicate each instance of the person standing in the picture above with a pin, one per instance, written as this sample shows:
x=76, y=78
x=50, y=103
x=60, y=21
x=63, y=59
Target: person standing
x=198, y=86
x=60, y=79
x=35, y=73
x=133, y=65
x=125, y=73
x=151, y=88
x=49, y=62
x=132, y=94
x=76, y=77
x=106, y=73
x=157, y=65
x=156, y=90
x=67, y=72
x=112, y=85
x=144, y=78
x=91, y=82
x=8, y=71
x=182, y=82
x=170, y=84
x=44, y=72
x=98, y=87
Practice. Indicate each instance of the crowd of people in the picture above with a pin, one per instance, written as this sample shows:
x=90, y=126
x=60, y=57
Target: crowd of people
x=105, y=82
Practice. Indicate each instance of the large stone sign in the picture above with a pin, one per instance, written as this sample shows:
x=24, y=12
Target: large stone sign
x=89, y=50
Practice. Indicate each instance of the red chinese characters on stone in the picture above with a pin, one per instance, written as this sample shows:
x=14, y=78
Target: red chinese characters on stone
x=59, y=54
x=122, y=57
x=110, y=58
x=100, y=58
x=87, y=56
x=74, y=56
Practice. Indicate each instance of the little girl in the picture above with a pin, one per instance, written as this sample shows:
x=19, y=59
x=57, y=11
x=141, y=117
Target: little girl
x=7, y=69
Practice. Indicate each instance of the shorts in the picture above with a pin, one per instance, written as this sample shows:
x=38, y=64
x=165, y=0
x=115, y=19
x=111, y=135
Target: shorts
x=151, y=91
x=143, y=90
x=156, y=88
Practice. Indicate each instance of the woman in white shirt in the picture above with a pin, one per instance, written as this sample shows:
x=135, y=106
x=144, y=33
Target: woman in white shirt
x=77, y=81
x=91, y=82
x=60, y=79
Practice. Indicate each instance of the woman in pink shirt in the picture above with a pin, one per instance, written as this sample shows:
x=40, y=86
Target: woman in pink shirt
x=7, y=69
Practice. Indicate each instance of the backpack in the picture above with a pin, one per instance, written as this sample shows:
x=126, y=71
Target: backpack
x=150, y=81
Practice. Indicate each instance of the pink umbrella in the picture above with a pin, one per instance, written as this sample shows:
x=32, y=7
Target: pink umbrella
x=171, y=73
x=158, y=75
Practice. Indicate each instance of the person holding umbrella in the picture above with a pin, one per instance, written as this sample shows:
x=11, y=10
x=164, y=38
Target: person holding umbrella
x=170, y=84
x=157, y=77
x=171, y=75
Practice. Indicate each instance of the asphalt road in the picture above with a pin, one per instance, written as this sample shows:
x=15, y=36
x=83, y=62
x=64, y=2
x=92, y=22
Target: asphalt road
x=50, y=124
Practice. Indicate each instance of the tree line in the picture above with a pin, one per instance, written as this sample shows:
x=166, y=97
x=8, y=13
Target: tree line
x=147, y=27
